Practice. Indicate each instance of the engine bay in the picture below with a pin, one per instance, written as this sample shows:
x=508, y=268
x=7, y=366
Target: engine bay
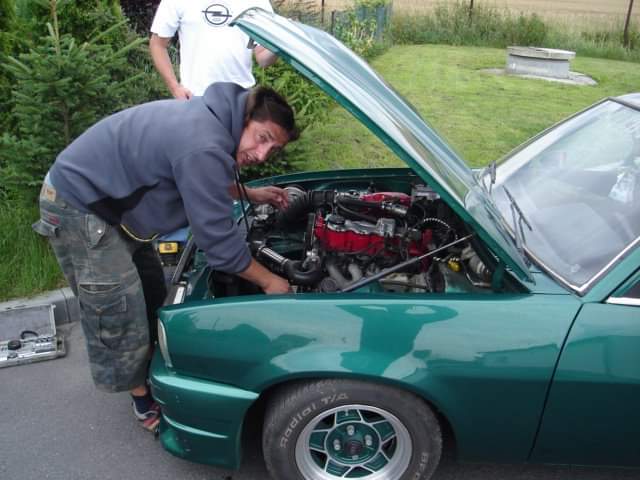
x=362, y=237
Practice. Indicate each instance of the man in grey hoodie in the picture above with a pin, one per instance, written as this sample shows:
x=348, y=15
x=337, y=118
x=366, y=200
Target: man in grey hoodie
x=144, y=172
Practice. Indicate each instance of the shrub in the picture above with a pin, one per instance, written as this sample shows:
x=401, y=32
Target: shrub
x=86, y=20
x=363, y=27
x=358, y=35
x=81, y=18
x=62, y=86
x=7, y=20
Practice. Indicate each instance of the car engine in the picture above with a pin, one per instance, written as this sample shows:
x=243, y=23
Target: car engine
x=327, y=240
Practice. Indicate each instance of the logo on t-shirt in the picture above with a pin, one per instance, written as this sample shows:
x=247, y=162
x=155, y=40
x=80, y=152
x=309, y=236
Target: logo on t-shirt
x=216, y=14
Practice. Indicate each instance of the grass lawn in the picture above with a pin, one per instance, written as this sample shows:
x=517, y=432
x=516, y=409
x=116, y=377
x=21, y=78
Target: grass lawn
x=27, y=265
x=482, y=115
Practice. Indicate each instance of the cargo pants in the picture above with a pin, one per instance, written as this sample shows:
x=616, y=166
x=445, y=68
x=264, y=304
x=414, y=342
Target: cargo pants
x=119, y=284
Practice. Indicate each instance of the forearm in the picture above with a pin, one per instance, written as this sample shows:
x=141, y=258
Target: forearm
x=264, y=57
x=233, y=191
x=256, y=274
x=250, y=193
x=160, y=56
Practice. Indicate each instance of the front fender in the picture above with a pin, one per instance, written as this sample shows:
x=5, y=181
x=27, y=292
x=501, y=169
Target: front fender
x=484, y=361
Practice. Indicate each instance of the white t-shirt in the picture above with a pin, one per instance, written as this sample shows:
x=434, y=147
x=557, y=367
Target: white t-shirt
x=210, y=50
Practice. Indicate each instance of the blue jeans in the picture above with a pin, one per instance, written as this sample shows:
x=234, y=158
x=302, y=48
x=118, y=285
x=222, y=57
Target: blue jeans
x=119, y=284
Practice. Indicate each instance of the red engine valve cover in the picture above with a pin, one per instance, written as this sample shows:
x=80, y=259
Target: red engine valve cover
x=380, y=197
x=367, y=244
x=347, y=241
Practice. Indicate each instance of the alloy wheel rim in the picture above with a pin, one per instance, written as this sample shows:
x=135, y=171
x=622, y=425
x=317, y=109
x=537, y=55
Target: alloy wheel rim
x=354, y=441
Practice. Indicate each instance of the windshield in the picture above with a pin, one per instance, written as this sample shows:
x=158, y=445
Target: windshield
x=578, y=186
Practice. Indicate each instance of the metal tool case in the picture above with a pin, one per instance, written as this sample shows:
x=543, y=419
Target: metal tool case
x=28, y=334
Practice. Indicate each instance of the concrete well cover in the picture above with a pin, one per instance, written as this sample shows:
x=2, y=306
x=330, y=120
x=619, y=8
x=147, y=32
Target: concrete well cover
x=544, y=53
x=544, y=62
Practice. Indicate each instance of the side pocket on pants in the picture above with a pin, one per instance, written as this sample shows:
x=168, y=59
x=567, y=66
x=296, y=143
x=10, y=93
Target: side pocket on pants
x=108, y=319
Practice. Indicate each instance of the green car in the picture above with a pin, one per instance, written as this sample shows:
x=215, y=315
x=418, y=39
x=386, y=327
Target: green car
x=499, y=309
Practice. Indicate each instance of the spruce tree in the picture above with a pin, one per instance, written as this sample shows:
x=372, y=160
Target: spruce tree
x=62, y=86
x=81, y=18
x=7, y=22
x=7, y=19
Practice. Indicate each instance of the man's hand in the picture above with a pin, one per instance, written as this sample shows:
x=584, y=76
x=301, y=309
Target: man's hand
x=276, y=285
x=181, y=93
x=273, y=195
x=270, y=283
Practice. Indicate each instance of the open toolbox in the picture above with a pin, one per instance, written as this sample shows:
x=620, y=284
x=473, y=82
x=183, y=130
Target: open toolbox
x=28, y=334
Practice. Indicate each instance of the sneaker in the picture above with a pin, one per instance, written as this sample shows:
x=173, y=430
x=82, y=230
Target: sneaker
x=145, y=407
x=152, y=423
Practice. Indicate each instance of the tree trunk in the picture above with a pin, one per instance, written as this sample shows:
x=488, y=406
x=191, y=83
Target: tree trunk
x=626, y=41
x=471, y=9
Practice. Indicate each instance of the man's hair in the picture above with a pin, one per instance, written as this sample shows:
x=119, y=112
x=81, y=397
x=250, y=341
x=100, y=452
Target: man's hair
x=264, y=104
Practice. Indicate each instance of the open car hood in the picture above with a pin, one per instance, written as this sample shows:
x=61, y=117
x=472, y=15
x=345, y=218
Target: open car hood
x=352, y=82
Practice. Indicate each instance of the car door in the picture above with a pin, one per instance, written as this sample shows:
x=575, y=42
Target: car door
x=592, y=414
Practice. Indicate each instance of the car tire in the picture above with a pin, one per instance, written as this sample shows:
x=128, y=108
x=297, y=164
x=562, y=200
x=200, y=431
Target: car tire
x=332, y=429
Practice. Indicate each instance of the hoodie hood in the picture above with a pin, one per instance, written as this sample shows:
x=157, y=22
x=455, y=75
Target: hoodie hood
x=227, y=101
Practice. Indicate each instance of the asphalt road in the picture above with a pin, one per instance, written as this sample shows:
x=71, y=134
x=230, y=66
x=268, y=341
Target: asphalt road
x=56, y=425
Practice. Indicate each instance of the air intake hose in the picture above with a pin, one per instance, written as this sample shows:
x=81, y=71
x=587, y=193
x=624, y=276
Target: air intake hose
x=303, y=204
x=292, y=268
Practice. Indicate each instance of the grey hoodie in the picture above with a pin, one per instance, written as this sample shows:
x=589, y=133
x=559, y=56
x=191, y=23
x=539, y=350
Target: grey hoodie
x=160, y=165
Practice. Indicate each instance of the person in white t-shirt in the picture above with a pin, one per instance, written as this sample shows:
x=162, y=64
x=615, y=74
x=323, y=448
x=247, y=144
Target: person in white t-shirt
x=210, y=50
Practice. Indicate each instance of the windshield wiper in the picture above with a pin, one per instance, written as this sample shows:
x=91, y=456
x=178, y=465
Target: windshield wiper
x=491, y=170
x=518, y=220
